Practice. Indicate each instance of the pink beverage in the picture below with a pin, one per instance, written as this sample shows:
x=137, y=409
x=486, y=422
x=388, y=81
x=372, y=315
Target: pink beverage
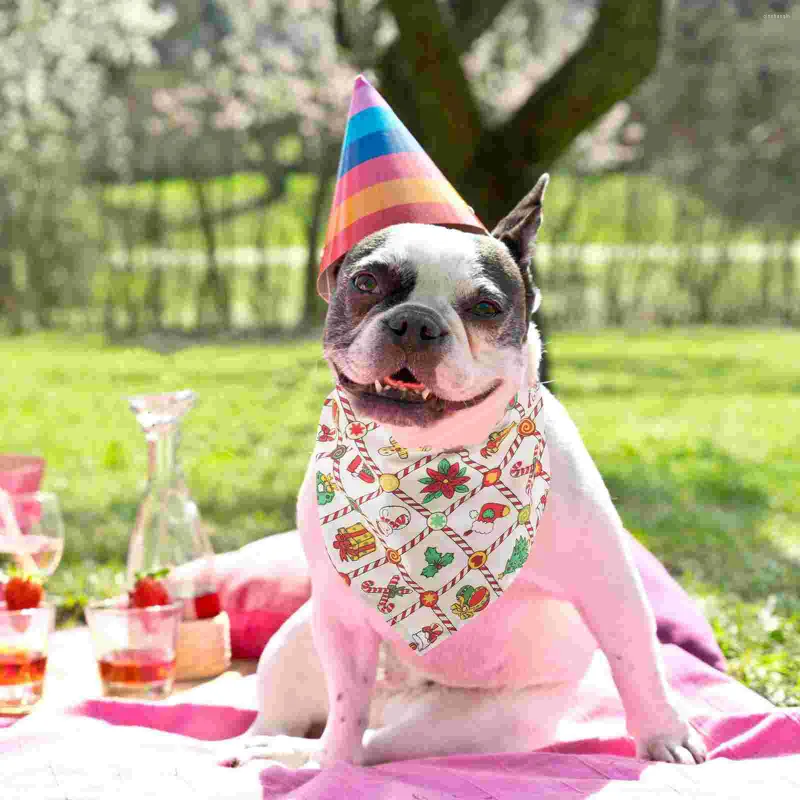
x=18, y=667
x=134, y=647
x=135, y=672
x=23, y=656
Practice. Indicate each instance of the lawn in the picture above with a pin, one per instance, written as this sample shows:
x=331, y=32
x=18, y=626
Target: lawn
x=695, y=431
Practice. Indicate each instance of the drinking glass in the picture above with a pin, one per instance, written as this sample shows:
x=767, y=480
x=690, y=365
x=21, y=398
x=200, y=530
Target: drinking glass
x=31, y=532
x=134, y=647
x=23, y=656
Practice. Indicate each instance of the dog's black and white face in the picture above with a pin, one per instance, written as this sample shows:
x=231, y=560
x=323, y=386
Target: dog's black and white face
x=428, y=327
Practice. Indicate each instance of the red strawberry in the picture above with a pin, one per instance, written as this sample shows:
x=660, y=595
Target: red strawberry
x=207, y=605
x=149, y=590
x=23, y=591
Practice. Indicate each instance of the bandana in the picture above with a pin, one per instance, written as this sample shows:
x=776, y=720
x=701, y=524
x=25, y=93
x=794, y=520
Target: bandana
x=429, y=539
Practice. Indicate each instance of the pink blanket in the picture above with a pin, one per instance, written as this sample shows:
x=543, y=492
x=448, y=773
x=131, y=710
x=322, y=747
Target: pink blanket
x=102, y=749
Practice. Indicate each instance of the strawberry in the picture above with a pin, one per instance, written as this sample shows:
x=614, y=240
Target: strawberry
x=149, y=590
x=207, y=605
x=23, y=591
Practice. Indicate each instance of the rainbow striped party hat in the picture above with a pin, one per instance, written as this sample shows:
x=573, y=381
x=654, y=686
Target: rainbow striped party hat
x=384, y=178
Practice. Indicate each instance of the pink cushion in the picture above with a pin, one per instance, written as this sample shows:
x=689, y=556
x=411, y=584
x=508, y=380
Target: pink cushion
x=261, y=586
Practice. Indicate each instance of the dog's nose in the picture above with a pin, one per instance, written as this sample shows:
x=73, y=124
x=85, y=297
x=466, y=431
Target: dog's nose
x=415, y=325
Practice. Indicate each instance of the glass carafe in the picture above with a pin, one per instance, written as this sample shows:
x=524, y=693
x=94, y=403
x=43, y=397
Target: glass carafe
x=168, y=531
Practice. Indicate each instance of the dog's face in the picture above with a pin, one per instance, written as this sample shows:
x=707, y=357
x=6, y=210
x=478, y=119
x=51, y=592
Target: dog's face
x=428, y=327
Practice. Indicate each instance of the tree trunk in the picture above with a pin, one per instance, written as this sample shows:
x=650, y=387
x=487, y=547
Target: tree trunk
x=214, y=286
x=155, y=230
x=494, y=167
x=788, y=279
x=315, y=307
x=766, y=273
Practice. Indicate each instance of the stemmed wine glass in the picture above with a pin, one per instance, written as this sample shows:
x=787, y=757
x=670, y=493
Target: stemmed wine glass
x=31, y=532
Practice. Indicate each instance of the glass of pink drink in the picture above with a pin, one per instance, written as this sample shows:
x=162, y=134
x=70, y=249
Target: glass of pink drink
x=23, y=656
x=31, y=532
x=134, y=647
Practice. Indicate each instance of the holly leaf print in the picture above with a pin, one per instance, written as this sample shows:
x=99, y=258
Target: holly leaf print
x=430, y=497
x=444, y=466
x=436, y=561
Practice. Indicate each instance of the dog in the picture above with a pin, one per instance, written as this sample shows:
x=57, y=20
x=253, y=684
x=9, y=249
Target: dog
x=429, y=334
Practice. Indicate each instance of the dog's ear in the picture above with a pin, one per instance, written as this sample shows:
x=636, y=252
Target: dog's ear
x=517, y=231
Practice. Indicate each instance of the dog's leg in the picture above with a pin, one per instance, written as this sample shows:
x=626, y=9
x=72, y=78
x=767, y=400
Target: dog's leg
x=349, y=651
x=291, y=699
x=445, y=721
x=581, y=552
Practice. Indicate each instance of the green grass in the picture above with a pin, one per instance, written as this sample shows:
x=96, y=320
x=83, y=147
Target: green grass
x=695, y=432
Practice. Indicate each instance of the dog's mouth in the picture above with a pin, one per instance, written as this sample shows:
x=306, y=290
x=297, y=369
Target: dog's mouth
x=404, y=388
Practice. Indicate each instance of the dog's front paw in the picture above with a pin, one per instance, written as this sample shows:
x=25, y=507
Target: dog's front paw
x=290, y=751
x=680, y=747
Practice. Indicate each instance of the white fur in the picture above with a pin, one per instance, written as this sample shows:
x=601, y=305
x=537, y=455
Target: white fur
x=446, y=268
x=504, y=681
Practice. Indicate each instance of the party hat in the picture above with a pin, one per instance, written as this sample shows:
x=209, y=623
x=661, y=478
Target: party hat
x=384, y=178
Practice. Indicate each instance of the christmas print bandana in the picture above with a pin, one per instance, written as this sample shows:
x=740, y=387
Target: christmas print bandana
x=430, y=539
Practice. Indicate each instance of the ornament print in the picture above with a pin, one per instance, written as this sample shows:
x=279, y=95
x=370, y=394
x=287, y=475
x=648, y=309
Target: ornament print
x=430, y=539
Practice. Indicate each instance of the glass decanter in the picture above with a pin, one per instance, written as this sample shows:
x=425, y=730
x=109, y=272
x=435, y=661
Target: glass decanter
x=168, y=531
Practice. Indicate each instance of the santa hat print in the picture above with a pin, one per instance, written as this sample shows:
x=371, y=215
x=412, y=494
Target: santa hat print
x=384, y=178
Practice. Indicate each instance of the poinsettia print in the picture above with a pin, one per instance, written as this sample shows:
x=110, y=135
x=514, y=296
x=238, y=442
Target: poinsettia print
x=446, y=480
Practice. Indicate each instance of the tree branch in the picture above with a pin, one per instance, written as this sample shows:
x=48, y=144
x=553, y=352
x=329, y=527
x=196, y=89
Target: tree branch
x=471, y=18
x=620, y=51
x=448, y=116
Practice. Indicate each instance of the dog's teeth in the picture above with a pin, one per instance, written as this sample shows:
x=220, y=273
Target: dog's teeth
x=426, y=393
x=378, y=387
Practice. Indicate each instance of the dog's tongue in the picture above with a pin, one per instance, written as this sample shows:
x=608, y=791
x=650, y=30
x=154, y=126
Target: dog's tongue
x=403, y=379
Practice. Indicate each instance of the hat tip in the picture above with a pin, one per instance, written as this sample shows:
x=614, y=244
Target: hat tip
x=361, y=81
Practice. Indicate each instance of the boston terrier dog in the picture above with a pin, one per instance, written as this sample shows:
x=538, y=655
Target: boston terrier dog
x=429, y=335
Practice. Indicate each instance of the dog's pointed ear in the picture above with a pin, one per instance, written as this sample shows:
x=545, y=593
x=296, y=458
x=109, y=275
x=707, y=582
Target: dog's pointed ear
x=517, y=231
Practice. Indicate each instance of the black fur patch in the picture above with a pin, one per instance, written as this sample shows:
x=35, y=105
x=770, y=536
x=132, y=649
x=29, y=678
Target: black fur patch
x=350, y=307
x=504, y=272
x=366, y=247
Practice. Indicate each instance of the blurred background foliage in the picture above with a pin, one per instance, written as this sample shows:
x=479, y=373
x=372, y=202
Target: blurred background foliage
x=165, y=177
x=170, y=170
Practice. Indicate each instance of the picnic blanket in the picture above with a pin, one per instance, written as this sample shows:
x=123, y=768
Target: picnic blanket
x=101, y=749
x=104, y=748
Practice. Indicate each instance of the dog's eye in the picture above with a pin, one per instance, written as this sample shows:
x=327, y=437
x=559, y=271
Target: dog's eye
x=365, y=282
x=485, y=309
